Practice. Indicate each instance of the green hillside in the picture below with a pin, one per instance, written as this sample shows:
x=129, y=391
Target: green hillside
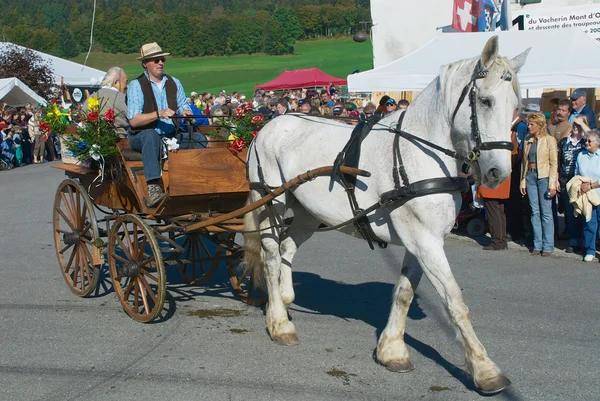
x=337, y=57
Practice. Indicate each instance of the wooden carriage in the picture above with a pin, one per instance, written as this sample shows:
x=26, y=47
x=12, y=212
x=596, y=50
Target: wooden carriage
x=103, y=217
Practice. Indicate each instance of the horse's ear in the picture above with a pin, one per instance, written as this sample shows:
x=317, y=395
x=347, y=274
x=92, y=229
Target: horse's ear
x=517, y=62
x=490, y=52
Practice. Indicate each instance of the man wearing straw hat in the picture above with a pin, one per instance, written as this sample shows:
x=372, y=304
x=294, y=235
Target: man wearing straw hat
x=153, y=98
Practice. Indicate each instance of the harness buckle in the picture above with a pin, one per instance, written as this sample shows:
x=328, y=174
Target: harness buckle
x=473, y=155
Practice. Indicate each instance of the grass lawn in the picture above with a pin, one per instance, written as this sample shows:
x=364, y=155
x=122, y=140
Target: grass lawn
x=337, y=57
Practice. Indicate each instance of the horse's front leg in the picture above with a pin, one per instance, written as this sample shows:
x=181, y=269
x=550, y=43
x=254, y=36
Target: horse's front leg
x=391, y=350
x=430, y=252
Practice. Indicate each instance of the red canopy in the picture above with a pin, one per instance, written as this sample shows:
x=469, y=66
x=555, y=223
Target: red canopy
x=308, y=78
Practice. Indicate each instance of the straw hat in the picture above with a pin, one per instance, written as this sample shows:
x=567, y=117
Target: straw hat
x=151, y=50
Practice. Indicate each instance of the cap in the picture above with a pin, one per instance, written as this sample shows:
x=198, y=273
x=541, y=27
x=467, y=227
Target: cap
x=531, y=108
x=577, y=93
x=350, y=106
x=243, y=97
x=337, y=110
x=390, y=101
x=301, y=102
x=193, y=94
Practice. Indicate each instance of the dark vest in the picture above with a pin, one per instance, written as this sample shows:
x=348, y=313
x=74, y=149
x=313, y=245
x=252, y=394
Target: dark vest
x=150, y=105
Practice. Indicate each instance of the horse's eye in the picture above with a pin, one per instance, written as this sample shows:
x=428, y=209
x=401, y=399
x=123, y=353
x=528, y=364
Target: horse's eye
x=486, y=102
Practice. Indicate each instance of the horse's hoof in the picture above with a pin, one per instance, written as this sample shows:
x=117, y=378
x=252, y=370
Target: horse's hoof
x=286, y=339
x=399, y=366
x=494, y=386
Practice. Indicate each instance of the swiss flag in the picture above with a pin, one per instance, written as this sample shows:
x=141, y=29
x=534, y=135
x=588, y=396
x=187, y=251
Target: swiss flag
x=464, y=15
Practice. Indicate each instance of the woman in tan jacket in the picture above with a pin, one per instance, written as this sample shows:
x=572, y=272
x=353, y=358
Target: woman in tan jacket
x=539, y=174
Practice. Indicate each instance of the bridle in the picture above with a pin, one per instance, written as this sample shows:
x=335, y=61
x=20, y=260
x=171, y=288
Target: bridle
x=471, y=89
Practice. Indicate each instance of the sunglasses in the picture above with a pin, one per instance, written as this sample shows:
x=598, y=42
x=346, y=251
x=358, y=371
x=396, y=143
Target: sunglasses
x=589, y=141
x=158, y=60
x=390, y=105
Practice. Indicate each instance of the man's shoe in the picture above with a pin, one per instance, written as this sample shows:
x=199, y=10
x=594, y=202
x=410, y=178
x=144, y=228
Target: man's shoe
x=588, y=258
x=546, y=253
x=536, y=252
x=570, y=249
x=155, y=195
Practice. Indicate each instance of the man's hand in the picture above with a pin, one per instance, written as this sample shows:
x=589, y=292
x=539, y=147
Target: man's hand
x=166, y=113
x=523, y=191
x=586, y=187
x=186, y=113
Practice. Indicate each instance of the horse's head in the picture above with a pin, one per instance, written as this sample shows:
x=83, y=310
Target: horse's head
x=482, y=96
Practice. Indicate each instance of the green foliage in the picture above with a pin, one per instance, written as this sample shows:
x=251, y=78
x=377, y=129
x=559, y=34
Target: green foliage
x=186, y=28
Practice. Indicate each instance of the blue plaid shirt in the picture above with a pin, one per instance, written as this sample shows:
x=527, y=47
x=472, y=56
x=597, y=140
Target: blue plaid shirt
x=135, y=102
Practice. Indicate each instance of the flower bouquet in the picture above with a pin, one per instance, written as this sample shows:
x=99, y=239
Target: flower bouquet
x=95, y=140
x=54, y=120
x=241, y=128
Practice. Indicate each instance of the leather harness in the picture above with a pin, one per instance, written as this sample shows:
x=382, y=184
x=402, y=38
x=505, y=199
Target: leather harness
x=403, y=190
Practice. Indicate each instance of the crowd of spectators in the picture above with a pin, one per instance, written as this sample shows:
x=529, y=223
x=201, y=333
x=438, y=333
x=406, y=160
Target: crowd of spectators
x=556, y=169
x=325, y=102
x=22, y=141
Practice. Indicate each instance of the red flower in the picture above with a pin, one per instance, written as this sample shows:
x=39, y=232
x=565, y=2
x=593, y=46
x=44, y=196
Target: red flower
x=257, y=119
x=236, y=146
x=110, y=115
x=54, y=101
x=254, y=134
x=92, y=116
x=44, y=126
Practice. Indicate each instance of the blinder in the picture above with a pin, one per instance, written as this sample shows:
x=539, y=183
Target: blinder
x=471, y=89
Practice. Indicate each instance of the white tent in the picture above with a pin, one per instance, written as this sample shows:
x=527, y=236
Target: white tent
x=74, y=74
x=15, y=93
x=561, y=58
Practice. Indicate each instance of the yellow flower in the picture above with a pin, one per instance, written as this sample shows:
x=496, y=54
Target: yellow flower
x=93, y=104
x=232, y=137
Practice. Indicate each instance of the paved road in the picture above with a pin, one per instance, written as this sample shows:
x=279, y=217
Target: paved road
x=538, y=318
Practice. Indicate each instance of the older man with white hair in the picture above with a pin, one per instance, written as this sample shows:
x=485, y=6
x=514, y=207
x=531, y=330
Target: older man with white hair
x=112, y=96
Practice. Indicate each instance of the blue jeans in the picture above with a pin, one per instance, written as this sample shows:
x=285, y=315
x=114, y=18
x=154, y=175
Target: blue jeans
x=148, y=142
x=542, y=222
x=590, y=230
x=574, y=224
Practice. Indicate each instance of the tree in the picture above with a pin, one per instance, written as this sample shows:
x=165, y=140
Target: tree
x=30, y=68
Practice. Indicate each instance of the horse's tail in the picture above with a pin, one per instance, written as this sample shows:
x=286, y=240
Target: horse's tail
x=252, y=262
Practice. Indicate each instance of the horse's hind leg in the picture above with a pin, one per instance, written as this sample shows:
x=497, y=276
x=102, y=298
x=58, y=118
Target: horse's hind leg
x=302, y=228
x=391, y=350
x=279, y=327
x=430, y=252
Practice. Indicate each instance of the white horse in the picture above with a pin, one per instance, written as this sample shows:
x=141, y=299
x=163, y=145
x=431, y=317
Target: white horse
x=293, y=144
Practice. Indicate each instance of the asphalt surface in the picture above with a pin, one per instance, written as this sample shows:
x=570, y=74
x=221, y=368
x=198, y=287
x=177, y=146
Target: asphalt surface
x=538, y=318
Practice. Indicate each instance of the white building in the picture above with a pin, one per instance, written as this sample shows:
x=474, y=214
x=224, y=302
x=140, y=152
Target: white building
x=401, y=26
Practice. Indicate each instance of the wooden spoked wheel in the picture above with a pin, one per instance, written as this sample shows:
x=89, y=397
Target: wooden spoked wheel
x=76, y=238
x=241, y=281
x=136, y=268
x=200, y=260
